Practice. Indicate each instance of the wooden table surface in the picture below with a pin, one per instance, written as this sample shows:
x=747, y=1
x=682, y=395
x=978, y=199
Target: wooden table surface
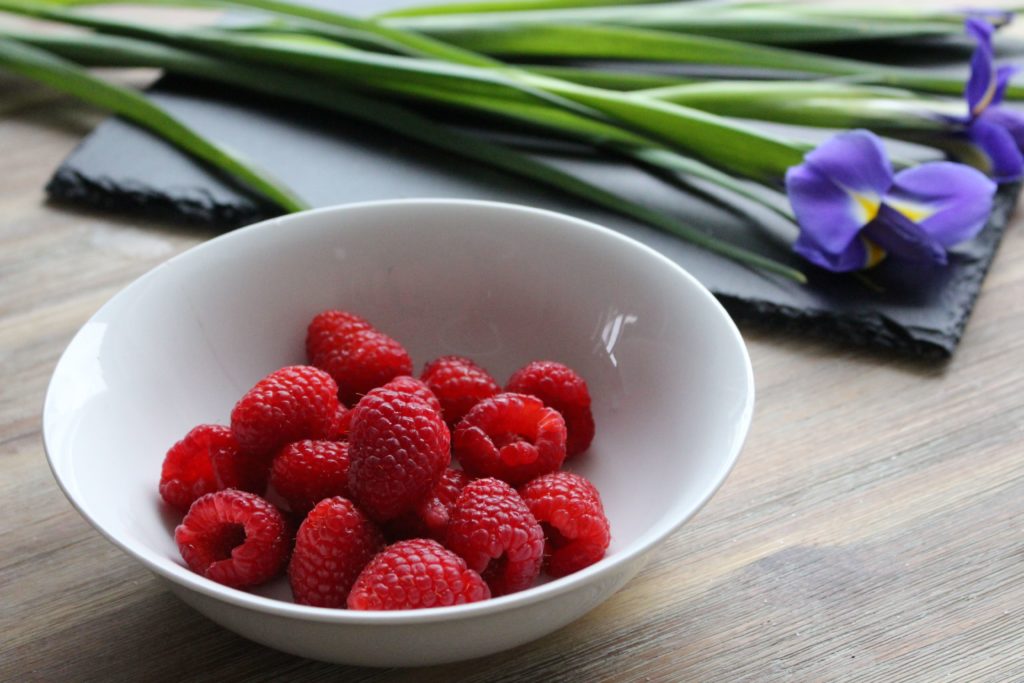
x=872, y=530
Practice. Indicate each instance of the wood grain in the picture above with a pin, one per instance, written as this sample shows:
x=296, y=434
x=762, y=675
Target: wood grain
x=873, y=529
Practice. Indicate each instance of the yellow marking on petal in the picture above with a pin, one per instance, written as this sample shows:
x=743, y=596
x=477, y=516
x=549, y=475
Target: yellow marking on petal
x=868, y=205
x=986, y=99
x=875, y=254
x=915, y=212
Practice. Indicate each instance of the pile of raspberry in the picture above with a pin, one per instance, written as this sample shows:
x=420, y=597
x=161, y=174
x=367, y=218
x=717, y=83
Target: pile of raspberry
x=361, y=506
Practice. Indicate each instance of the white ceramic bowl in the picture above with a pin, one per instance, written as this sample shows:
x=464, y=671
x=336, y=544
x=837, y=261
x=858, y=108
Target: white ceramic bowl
x=668, y=371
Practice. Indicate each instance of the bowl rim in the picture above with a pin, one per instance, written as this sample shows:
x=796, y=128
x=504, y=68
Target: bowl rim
x=182, y=576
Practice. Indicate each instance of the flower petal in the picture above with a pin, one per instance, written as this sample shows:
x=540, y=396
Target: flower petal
x=949, y=202
x=828, y=216
x=838, y=189
x=1010, y=119
x=998, y=152
x=903, y=238
x=855, y=161
x=1003, y=76
x=982, y=84
x=857, y=255
x=996, y=16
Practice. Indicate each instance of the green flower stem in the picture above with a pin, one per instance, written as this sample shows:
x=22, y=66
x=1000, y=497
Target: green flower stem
x=99, y=50
x=552, y=41
x=890, y=14
x=646, y=152
x=824, y=104
x=763, y=23
x=316, y=56
x=507, y=6
x=606, y=78
x=727, y=145
x=617, y=13
x=642, y=151
x=579, y=41
x=348, y=27
x=61, y=75
x=730, y=146
x=335, y=26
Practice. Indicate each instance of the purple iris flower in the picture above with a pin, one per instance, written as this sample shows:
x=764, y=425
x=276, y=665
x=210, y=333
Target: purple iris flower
x=996, y=132
x=993, y=15
x=853, y=210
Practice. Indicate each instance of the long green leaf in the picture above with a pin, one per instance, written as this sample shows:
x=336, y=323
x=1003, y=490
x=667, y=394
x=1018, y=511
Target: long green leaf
x=762, y=24
x=98, y=50
x=733, y=147
x=506, y=6
x=415, y=42
x=724, y=143
x=612, y=42
x=61, y=75
x=825, y=104
x=349, y=27
x=607, y=78
x=875, y=12
x=366, y=32
x=578, y=41
x=347, y=65
x=643, y=151
x=647, y=153
x=645, y=45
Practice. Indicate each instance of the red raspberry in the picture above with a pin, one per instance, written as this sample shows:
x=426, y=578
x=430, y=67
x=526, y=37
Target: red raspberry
x=187, y=472
x=416, y=574
x=234, y=538
x=459, y=384
x=411, y=385
x=306, y=472
x=294, y=403
x=510, y=436
x=334, y=543
x=430, y=518
x=363, y=360
x=569, y=510
x=237, y=470
x=329, y=329
x=493, y=530
x=398, y=450
x=342, y=422
x=565, y=391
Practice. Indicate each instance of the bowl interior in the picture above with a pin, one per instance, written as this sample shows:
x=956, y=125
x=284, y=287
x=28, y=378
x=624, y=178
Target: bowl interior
x=504, y=285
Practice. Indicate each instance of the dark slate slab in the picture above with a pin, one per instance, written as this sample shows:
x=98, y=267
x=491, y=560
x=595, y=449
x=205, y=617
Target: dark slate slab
x=916, y=310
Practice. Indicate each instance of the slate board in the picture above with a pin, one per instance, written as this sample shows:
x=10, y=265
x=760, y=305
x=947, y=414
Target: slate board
x=914, y=310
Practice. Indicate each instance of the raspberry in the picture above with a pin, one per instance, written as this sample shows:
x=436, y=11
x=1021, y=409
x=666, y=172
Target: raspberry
x=510, y=436
x=306, y=472
x=334, y=543
x=342, y=421
x=234, y=538
x=293, y=403
x=329, y=329
x=411, y=385
x=459, y=384
x=398, y=450
x=569, y=510
x=416, y=574
x=237, y=470
x=188, y=472
x=493, y=530
x=430, y=518
x=565, y=391
x=363, y=360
